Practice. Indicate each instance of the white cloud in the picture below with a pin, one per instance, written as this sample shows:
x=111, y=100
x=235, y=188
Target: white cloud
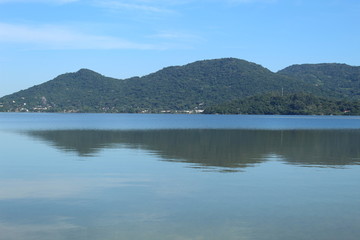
x=163, y=6
x=252, y=1
x=31, y=231
x=59, y=37
x=39, y=1
x=133, y=5
x=176, y=40
x=177, y=36
x=61, y=187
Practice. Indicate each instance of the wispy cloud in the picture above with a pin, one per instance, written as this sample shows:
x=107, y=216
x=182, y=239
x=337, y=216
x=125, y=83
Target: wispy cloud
x=11, y=230
x=163, y=6
x=65, y=187
x=144, y=6
x=176, y=40
x=251, y=1
x=58, y=37
x=39, y=1
x=178, y=36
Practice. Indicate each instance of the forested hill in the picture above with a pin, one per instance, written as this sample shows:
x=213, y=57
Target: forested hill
x=194, y=86
x=290, y=104
x=341, y=79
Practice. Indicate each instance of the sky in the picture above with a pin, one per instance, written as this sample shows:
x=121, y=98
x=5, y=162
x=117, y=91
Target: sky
x=41, y=39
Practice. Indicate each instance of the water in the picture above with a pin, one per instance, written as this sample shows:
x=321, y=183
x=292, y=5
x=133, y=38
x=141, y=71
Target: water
x=129, y=176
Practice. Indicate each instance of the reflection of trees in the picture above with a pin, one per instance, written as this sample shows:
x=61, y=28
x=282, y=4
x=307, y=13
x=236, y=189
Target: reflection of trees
x=218, y=148
x=324, y=147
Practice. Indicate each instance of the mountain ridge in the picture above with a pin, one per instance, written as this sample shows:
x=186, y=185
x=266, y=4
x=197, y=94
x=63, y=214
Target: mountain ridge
x=193, y=86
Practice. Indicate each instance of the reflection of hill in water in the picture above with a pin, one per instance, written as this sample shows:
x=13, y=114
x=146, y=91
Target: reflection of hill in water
x=218, y=148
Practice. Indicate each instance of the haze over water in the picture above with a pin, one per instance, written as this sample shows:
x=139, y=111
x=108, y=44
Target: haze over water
x=129, y=176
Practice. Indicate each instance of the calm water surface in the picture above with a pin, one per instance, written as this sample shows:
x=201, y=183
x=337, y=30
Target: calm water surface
x=129, y=176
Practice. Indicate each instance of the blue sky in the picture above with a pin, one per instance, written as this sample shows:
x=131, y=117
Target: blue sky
x=40, y=39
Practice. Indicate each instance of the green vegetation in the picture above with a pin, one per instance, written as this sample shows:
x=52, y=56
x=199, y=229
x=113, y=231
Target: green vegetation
x=293, y=104
x=189, y=88
x=341, y=80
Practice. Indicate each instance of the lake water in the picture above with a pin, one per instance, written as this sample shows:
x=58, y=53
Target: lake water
x=138, y=176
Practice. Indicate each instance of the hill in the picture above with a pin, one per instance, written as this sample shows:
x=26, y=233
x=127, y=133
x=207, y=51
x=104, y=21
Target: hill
x=204, y=83
x=292, y=104
x=340, y=79
x=193, y=86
